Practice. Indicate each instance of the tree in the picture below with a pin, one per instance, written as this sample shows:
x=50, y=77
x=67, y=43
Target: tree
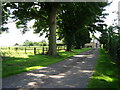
x=5, y=15
x=81, y=38
x=43, y=43
x=75, y=18
x=28, y=43
x=118, y=48
x=44, y=15
x=110, y=40
x=104, y=39
x=52, y=10
x=67, y=25
x=16, y=44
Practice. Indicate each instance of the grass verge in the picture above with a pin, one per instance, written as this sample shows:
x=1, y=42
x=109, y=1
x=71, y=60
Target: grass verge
x=106, y=73
x=15, y=65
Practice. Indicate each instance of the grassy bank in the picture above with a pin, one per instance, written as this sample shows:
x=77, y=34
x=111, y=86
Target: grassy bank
x=15, y=65
x=106, y=73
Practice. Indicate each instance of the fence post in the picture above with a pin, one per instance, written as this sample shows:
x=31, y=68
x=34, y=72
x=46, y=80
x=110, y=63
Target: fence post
x=25, y=50
x=58, y=48
x=34, y=51
x=16, y=49
x=9, y=48
x=64, y=47
x=46, y=50
x=43, y=51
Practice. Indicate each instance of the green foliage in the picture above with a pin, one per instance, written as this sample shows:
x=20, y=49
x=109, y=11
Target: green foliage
x=118, y=48
x=104, y=39
x=110, y=40
x=5, y=16
x=73, y=18
x=44, y=15
x=16, y=44
x=81, y=38
x=113, y=45
x=30, y=43
x=77, y=19
x=106, y=73
x=31, y=10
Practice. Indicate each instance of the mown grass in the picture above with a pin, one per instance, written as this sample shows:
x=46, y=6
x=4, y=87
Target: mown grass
x=16, y=65
x=106, y=73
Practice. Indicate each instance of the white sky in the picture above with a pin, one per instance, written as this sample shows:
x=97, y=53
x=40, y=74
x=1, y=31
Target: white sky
x=15, y=36
x=109, y=9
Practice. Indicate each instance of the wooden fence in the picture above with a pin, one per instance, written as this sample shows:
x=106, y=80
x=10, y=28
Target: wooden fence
x=36, y=50
x=45, y=49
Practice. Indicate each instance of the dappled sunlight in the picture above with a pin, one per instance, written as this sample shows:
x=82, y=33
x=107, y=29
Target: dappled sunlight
x=78, y=62
x=88, y=56
x=61, y=75
x=20, y=60
x=75, y=51
x=70, y=59
x=63, y=54
x=86, y=71
x=79, y=56
x=112, y=62
x=32, y=68
x=32, y=83
x=83, y=62
x=104, y=77
x=70, y=71
x=43, y=67
x=62, y=51
x=36, y=75
x=26, y=62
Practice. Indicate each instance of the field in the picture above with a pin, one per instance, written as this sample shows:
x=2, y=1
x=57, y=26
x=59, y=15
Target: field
x=17, y=62
x=20, y=51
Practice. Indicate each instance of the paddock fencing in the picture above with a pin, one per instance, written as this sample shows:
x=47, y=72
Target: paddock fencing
x=28, y=49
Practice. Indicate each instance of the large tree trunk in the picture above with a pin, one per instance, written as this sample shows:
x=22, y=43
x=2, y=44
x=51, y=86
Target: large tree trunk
x=52, y=30
x=68, y=48
x=69, y=39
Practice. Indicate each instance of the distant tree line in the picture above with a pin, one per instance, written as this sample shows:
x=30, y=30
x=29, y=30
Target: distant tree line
x=30, y=43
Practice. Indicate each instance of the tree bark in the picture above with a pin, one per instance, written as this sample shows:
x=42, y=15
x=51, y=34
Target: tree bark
x=52, y=30
x=68, y=48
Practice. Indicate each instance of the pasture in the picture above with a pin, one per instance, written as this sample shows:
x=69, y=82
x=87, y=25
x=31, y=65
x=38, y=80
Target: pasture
x=20, y=51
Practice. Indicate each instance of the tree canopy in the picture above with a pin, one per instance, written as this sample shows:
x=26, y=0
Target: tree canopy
x=74, y=21
x=77, y=20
